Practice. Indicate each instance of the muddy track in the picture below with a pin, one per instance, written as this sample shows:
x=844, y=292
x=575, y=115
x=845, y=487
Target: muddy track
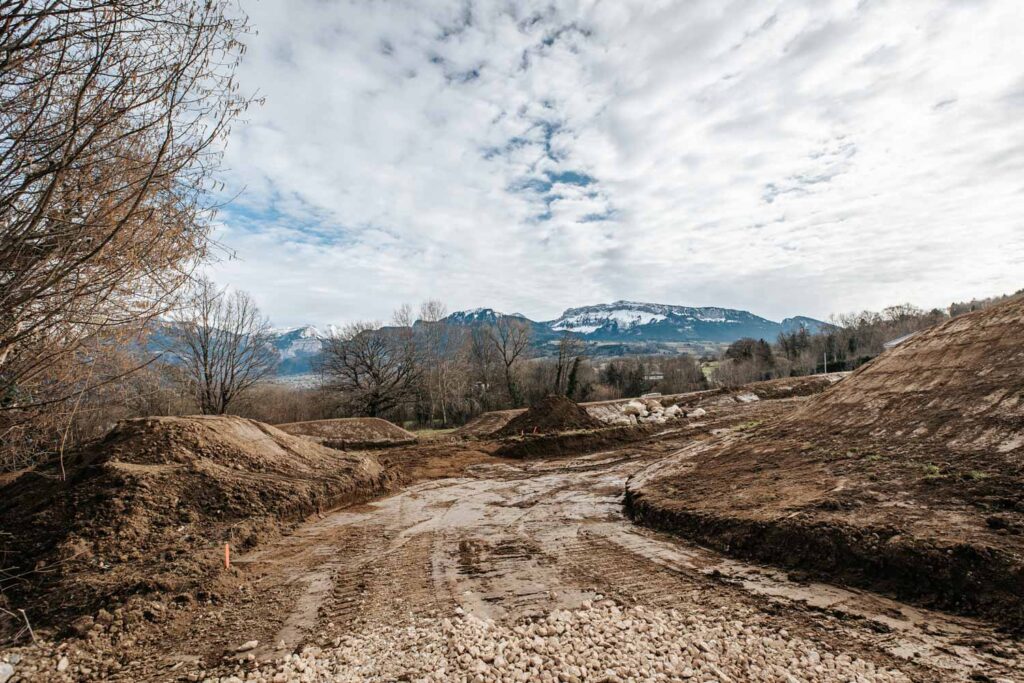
x=512, y=541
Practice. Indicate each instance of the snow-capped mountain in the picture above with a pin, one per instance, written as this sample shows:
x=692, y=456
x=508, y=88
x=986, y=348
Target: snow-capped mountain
x=619, y=327
x=299, y=347
x=475, y=316
x=632, y=322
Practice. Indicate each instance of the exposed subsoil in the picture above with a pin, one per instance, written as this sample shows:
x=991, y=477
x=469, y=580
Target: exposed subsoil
x=146, y=511
x=553, y=413
x=351, y=433
x=906, y=477
x=489, y=424
x=569, y=444
x=502, y=569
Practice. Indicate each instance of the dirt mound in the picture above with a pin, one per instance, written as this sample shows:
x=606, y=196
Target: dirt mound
x=149, y=507
x=550, y=414
x=905, y=476
x=487, y=423
x=352, y=432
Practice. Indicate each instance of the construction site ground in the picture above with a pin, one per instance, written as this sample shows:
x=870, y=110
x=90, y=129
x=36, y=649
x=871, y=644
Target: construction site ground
x=534, y=558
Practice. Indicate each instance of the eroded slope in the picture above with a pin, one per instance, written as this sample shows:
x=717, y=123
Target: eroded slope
x=906, y=476
x=149, y=508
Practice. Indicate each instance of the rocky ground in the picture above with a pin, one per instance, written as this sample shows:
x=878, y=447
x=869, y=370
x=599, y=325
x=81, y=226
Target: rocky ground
x=519, y=570
x=597, y=642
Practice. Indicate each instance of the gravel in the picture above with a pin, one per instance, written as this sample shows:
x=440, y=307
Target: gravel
x=600, y=642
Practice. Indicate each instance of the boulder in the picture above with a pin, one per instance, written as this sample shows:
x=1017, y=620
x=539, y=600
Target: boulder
x=634, y=408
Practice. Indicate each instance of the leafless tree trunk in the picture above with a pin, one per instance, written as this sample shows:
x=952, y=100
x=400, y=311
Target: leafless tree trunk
x=223, y=346
x=376, y=369
x=510, y=338
x=442, y=348
x=570, y=347
x=112, y=117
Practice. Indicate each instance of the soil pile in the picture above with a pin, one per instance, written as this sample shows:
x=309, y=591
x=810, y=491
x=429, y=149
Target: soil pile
x=150, y=506
x=906, y=476
x=552, y=413
x=353, y=432
x=486, y=424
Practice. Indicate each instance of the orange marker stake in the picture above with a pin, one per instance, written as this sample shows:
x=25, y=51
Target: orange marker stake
x=227, y=556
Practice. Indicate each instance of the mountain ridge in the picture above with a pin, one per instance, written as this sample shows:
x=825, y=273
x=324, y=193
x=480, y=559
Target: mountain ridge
x=608, y=329
x=612, y=328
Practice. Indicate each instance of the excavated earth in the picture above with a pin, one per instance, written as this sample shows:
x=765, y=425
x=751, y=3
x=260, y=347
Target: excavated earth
x=147, y=511
x=552, y=413
x=907, y=477
x=351, y=432
x=494, y=423
x=488, y=569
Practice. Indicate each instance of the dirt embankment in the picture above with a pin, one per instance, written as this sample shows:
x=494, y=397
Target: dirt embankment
x=905, y=477
x=488, y=424
x=148, y=509
x=351, y=433
x=565, y=444
x=550, y=414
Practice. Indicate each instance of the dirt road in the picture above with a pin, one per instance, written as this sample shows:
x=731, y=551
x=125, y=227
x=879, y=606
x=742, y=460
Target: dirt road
x=497, y=570
x=510, y=541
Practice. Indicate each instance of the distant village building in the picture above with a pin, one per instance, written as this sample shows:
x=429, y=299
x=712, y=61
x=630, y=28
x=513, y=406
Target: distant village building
x=654, y=374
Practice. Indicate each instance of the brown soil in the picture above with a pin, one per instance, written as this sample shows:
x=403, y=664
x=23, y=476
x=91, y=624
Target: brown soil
x=550, y=414
x=508, y=540
x=351, y=433
x=562, y=444
x=147, y=510
x=904, y=477
x=486, y=424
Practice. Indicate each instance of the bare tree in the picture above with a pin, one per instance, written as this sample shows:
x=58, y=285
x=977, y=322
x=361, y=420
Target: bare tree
x=510, y=338
x=222, y=344
x=112, y=118
x=376, y=369
x=570, y=348
x=482, y=366
x=441, y=346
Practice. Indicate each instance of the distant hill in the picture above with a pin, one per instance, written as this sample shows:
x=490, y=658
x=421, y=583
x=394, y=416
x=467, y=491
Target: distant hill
x=622, y=327
x=625, y=324
x=634, y=321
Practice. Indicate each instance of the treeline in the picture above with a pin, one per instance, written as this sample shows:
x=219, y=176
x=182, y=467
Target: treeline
x=419, y=370
x=422, y=370
x=852, y=340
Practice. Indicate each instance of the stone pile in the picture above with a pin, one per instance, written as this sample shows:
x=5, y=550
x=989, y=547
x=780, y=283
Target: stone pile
x=648, y=411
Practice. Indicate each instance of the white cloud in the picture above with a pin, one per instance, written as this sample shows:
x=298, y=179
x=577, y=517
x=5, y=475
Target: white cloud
x=796, y=157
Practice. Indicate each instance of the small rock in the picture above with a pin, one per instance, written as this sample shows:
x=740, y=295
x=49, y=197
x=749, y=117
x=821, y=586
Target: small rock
x=248, y=645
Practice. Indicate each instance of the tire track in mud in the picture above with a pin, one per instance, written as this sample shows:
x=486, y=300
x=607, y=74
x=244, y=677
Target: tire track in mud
x=510, y=541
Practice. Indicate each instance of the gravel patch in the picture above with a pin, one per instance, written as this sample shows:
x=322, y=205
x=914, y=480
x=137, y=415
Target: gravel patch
x=600, y=642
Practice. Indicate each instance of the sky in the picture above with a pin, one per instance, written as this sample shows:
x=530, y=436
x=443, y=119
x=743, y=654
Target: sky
x=803, y=157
